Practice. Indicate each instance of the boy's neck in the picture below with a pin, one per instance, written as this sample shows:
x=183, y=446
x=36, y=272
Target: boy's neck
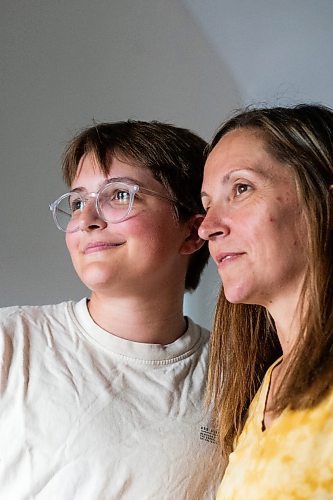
x=152, y=321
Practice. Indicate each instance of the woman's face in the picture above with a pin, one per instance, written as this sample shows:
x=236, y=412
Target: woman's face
x=254, y=224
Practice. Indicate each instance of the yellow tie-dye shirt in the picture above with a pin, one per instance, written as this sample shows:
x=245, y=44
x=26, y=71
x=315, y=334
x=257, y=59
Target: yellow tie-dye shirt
x=291, y=459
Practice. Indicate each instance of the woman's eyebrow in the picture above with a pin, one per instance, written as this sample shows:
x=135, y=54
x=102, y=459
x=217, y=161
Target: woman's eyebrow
x=257, y=171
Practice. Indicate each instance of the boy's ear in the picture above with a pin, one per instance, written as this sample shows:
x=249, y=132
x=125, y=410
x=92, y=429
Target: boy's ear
x=192, y=242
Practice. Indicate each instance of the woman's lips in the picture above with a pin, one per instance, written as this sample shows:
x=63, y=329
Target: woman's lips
x=226, y=257
x=100, y=246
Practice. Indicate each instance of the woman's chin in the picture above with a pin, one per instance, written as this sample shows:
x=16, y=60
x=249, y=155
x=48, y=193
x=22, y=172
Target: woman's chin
x=237, y=295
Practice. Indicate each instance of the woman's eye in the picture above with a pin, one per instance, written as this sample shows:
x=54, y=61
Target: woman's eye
x=241, y=188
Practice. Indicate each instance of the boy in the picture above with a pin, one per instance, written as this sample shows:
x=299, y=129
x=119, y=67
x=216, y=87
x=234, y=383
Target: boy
x=103, y=399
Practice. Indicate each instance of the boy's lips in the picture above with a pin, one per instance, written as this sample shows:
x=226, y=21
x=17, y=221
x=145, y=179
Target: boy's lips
x=99, y=246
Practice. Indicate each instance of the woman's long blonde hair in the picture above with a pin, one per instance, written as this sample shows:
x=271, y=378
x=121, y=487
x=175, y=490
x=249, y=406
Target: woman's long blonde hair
x=244, y=342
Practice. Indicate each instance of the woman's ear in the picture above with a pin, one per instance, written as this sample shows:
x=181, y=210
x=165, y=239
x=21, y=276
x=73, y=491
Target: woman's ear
x=192, y=242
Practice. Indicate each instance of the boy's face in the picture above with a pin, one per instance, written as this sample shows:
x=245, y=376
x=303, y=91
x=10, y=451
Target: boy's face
x=139, y=254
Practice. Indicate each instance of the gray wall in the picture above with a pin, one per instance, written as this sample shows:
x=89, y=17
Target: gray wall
x=188, y=62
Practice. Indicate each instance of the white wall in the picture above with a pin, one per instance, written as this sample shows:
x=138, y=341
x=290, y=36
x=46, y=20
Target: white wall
x=188, y=62
x=278, y=51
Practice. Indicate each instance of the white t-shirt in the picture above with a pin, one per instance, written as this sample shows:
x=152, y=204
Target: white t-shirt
x=86, y=415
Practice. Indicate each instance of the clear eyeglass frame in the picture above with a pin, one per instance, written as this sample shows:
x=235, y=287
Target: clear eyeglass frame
x=69, y=221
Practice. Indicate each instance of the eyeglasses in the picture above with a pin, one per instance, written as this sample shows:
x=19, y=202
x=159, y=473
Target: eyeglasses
x=113, y=203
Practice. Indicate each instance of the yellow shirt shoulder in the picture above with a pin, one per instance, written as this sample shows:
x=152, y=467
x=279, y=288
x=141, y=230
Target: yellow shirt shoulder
x=292, y=459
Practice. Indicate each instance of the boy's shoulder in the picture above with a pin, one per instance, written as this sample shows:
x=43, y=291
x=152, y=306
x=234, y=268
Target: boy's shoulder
x=31, y=315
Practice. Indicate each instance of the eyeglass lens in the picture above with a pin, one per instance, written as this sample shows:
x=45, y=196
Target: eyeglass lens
x=114, y=202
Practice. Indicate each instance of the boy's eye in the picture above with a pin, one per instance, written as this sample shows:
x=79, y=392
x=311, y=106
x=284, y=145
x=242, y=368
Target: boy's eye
x=115, y=194
x=76, y=204
x=121, y=196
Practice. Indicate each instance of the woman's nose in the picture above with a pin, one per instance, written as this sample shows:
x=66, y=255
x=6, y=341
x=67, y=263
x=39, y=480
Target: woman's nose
x=90, y=219
x=212, y=226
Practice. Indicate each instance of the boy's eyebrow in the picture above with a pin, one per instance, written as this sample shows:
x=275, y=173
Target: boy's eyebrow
x=126, y=180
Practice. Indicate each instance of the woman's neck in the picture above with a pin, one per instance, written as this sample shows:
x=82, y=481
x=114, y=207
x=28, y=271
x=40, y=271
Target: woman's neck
x=286, y=313
x=287, y=318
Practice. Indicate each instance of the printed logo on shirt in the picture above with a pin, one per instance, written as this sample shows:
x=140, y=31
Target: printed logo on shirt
x=207, y=434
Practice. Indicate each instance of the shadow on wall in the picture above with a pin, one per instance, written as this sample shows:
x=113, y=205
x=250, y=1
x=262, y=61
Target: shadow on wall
x=200, y=305
x=65, y=64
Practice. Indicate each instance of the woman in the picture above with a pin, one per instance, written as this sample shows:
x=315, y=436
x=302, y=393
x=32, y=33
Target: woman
x=268, y=196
